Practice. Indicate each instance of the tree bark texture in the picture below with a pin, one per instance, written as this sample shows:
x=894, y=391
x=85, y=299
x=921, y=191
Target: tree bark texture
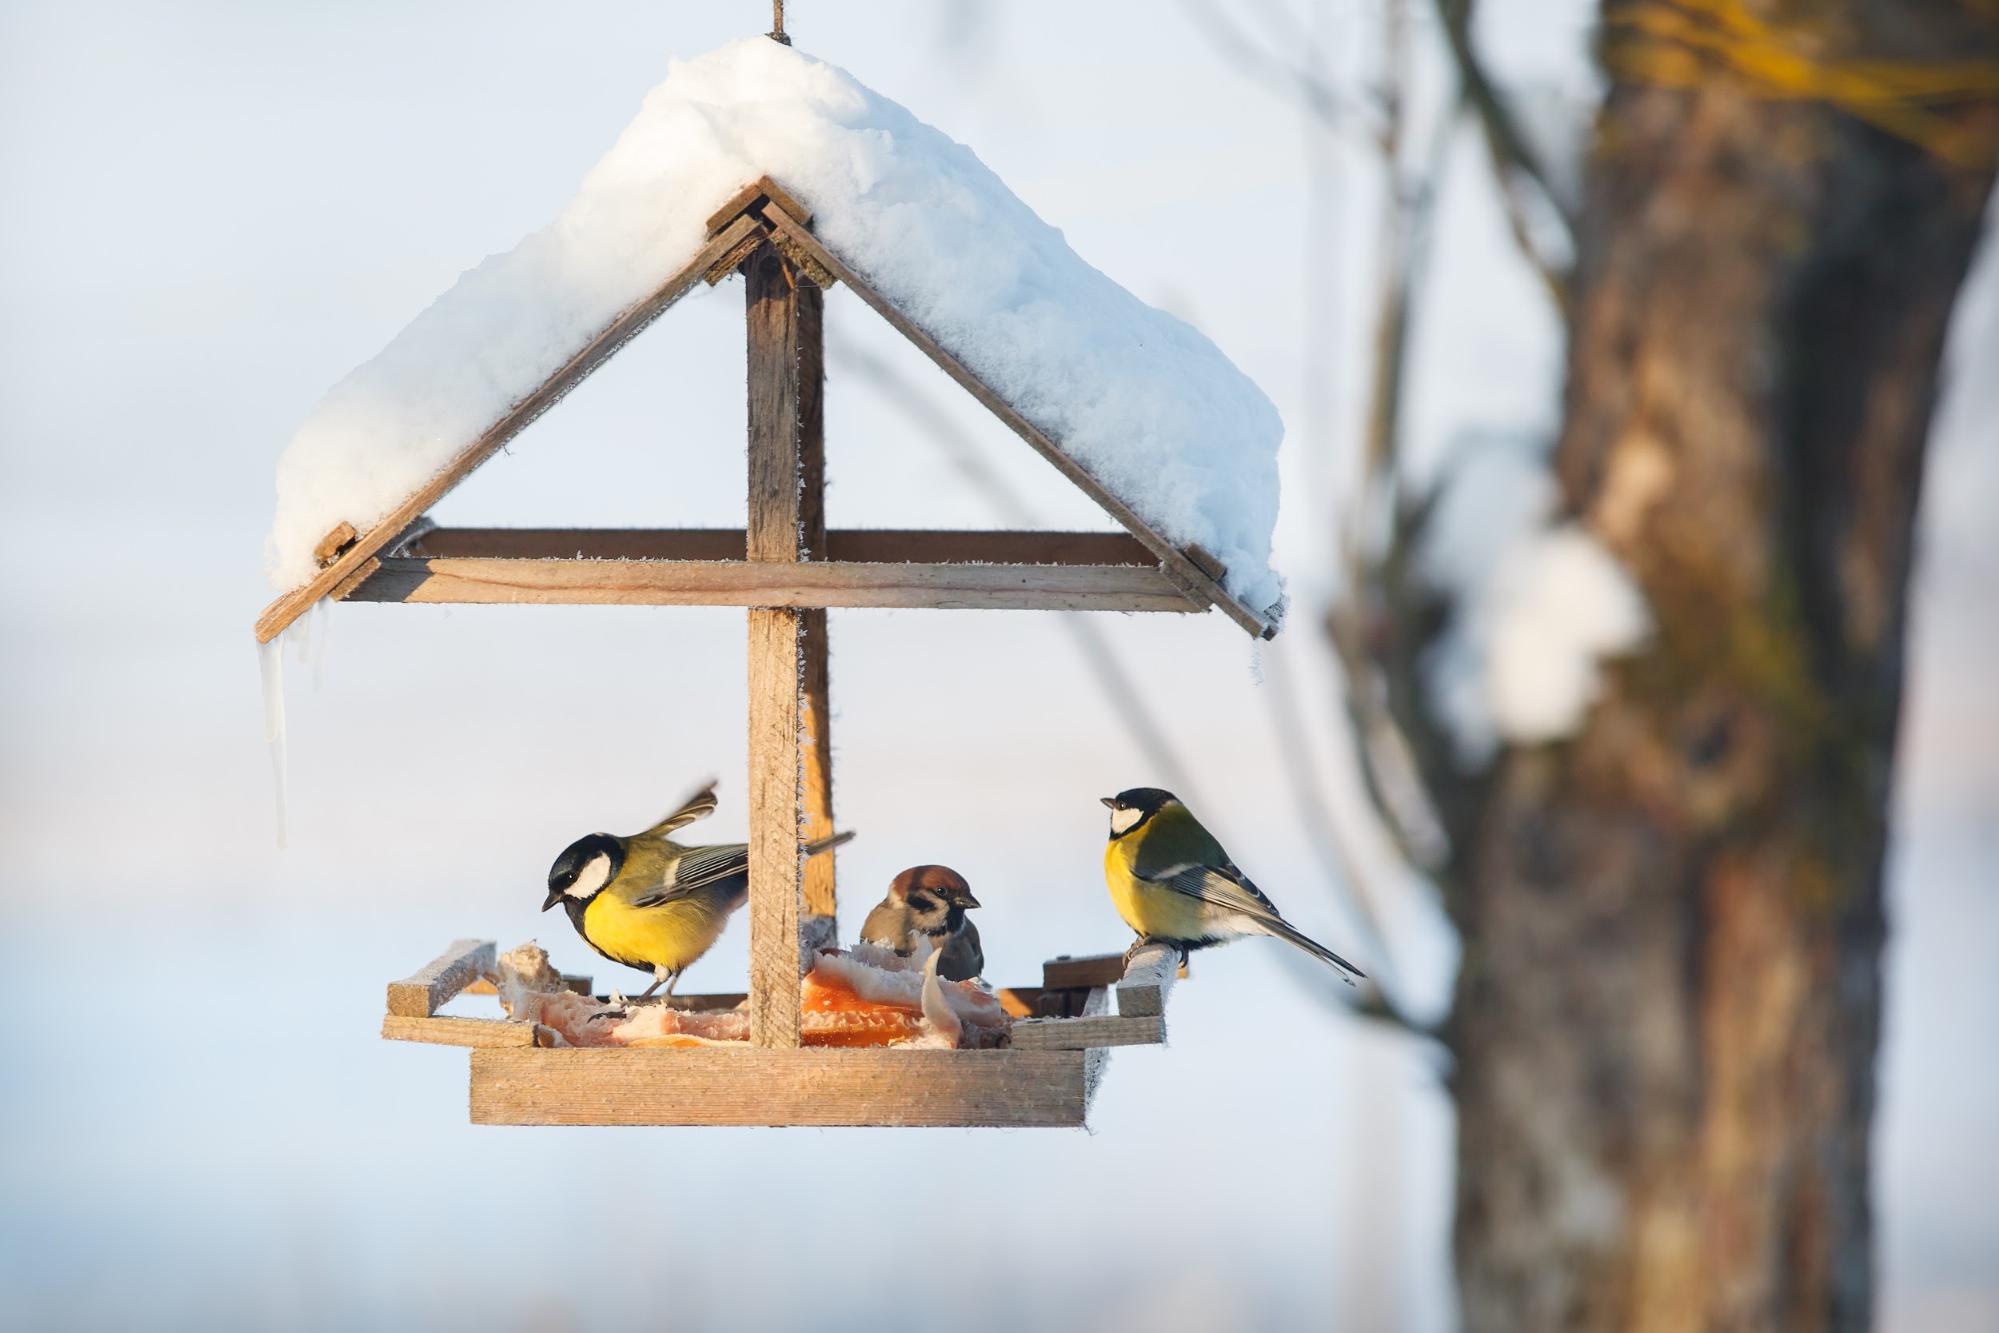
x=1670, y=999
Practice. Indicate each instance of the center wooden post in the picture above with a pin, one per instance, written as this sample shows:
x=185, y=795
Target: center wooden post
x=790, y=750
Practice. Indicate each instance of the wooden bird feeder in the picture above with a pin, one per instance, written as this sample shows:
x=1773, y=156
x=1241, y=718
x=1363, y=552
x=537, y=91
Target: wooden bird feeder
x=788, y=570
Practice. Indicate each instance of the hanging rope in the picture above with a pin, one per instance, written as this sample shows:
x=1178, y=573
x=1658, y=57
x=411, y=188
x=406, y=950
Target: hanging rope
x=776, y=33
x=1695, y=42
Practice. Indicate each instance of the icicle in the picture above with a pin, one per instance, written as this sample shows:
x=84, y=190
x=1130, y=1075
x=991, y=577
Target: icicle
x=299, y=634
x=271, y=659
x=322, y=617
x=1256, y=661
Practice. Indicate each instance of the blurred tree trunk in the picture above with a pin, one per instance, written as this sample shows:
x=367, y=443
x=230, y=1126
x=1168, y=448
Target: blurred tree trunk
x=1670, y=1001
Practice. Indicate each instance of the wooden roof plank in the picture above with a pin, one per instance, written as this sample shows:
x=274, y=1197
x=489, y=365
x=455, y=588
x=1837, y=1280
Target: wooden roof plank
x=756, y=192
x=785, y=200
x=741, y=202
x=621, y=330
x=1177, y=563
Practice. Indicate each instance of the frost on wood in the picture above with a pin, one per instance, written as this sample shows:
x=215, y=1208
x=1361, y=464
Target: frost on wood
x=1536, y=606
x=1145, y=402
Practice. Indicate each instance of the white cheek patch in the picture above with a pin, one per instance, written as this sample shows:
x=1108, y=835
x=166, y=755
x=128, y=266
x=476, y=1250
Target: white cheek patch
x=594, y=876
x=1122, y=820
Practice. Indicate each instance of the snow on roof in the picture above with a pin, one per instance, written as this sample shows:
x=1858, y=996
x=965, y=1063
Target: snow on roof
x=1141, y=399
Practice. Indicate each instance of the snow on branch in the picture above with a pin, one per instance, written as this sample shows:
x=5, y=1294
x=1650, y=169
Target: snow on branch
x=1536, y=605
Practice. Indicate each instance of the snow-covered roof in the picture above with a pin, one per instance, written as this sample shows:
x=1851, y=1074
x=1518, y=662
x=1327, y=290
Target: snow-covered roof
x=1144, y=402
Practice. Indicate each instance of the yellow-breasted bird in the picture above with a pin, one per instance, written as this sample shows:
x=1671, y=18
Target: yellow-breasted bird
x=929, y=901
x=646, y=901
x=1173, y=883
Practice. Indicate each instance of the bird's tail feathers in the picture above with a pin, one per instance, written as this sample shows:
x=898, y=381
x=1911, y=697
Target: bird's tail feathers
x=698, y=806
x=1290, y=934
x=839, y=839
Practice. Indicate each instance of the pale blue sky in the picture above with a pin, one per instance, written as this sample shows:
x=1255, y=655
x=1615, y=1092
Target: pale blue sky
x=212, y=211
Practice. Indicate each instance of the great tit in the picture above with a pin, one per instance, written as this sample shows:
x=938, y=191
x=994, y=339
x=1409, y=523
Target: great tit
x=1173, y=883
x=929, y=901
x=647, y=902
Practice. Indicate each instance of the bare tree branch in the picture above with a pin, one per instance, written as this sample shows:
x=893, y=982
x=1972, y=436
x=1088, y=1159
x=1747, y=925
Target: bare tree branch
x=1513, y=159
x=1322, y=99
x=1377, y=998
x=1366, y=617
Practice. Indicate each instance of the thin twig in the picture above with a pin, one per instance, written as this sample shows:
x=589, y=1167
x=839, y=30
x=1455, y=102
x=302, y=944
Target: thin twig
x=1376, y=1004
x=1318, y=96
x=1512, y=157
x=1315, y=811
x=1384, y=752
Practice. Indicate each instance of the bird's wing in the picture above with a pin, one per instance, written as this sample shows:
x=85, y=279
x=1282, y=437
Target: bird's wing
x=698, y=806
x=697, y=869
x=964, y=949
x=887, y=924
x=1226, y=888
x=1221, y=886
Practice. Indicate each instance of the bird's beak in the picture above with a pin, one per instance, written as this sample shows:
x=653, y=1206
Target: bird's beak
x=554, y=897
x=1110, y=802
x=966, y=899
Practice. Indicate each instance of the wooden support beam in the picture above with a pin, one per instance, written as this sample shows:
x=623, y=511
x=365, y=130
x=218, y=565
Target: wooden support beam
x=431, y=988
x=1082, y=972
x=1177, y=563
x=1040, y=1002
x=1091, y=1033
x=731, y=261
x=473, y=1032
x=819, y=900
x=857, y=546
x=774, y=842
x=1086, y=971
x=1142, y=991
x=616, y=334
x=713, y=1086
x=478, y=581
x=776, y=647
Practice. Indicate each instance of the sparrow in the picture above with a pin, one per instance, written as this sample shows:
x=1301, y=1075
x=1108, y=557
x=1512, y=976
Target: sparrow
x=929, y=902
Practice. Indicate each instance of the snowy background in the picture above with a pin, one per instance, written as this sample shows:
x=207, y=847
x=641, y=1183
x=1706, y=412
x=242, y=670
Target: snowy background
x=212, y=211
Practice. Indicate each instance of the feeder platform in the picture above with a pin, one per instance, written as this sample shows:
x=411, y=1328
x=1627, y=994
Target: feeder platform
x=1045, y=1076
